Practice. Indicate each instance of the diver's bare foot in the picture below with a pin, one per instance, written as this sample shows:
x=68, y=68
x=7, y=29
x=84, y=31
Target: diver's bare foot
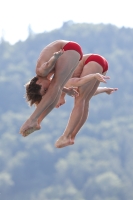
x=29, y=127
x=63, y=142
x=72, y=140
x=29, y=131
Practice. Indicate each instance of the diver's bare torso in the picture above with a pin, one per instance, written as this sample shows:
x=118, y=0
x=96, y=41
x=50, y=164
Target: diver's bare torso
x=49, y=50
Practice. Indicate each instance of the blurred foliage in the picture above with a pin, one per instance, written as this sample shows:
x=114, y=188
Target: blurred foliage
x=99, y=165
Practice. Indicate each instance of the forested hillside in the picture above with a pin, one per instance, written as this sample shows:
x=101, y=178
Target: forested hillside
x=99, y=165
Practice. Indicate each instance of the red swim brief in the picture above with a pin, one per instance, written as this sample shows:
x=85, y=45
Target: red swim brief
x=99, y=59
x=73, y=46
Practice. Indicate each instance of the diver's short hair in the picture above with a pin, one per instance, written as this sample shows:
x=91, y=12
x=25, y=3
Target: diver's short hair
x=33, y=95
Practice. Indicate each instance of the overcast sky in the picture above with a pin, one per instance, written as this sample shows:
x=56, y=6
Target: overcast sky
x=45, y=15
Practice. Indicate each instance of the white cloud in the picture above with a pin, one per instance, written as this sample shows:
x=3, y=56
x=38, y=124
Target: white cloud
x=15, y=18
x=5, y=179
